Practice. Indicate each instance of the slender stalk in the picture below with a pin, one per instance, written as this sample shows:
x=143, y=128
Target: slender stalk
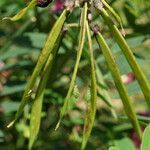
x=72, y=25
x=80, y=49
x=116, y=16
x=48, y=48
x=118, y=82
x=89, y=121
x=141, y=78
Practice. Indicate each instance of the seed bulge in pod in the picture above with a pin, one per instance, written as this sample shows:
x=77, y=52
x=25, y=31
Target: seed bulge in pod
x=43, y=3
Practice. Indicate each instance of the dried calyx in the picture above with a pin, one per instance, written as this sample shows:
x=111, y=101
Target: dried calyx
x=95, y=28
x=70, y=4
x=97, y=4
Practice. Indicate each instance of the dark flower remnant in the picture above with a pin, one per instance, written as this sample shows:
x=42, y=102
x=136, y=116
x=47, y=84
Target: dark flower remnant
x=56, y=7
x=43, y=3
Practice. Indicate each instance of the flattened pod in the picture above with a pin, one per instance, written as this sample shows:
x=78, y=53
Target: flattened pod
x=43, y=3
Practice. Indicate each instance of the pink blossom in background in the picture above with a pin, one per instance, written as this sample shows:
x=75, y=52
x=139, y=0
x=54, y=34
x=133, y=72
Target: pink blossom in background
x=128, y=78
x=58, y=6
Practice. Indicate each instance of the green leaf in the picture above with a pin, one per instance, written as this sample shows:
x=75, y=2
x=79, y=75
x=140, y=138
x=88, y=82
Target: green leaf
x=2, y=136
x=124, y=144
x=9, y=89
x=103, y=92
x=15, y=35
x=113, y=148
x=146, y=139
x=17, y=65
x=9, y=106
x=16, y=51
x=34, y=37
x=140, y=118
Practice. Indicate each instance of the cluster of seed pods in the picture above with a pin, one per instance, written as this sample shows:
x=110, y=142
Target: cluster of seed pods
x=49, y=51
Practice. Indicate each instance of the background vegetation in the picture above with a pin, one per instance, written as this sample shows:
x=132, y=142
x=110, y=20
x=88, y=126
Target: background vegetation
x=20, y=44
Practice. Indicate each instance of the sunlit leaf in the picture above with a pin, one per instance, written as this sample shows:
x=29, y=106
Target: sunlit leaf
x=124, y=143
x=145, y=140
x=113, y=148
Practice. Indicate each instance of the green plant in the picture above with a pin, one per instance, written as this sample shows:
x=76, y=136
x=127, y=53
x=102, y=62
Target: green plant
x=49, y=52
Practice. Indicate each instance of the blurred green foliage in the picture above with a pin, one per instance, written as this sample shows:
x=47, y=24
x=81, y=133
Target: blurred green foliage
x=20, y=44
